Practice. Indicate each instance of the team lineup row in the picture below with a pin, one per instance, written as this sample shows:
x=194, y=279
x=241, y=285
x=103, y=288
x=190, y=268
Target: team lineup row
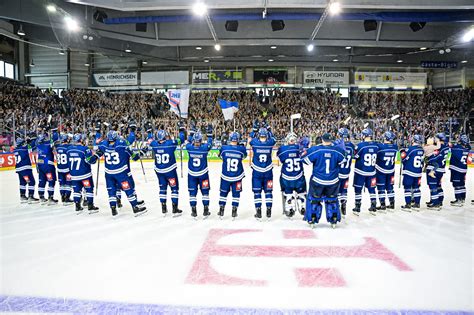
x=374, y=169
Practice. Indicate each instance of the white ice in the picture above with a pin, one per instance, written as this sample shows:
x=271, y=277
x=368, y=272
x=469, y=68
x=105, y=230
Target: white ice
x=52, y=252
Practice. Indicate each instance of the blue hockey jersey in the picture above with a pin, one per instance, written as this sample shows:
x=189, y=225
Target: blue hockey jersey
x=290, y=158
x=262, y=154
x=197, y=163
x=366, y=158
x=80, y=159
x=232, y=167
x=412, y=160
x=22, y=158
x=326, y=162
x=345, y=169
x=386, y=157
x=442, y=157
x=117, y=156
x=45, y=153
x=61, y=158
x=458, y=160
x=165, y=160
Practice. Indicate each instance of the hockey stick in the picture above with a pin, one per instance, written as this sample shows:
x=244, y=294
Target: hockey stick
x=140, y=157
x=98, y=166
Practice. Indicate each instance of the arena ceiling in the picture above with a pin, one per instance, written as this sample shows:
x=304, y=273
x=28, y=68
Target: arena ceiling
x=175, y=36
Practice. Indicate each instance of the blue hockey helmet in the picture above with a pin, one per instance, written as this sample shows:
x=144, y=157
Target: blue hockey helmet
x=263, y=133
x=441, y=136
x=197, y=137
x=161, y=135
x=367, y=132
x=64, y=137
x=343, y=132
x=78, y=137
x=234, y=137
x=389, y=136
x=112, y=136
x=43, y=137
x=418, y=139
x=19, y=141
x=463, y=139
x=291, y=138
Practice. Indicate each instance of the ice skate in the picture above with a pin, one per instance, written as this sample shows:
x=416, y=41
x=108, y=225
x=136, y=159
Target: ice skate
x=416, y=207
x=373, y=209
x=176, y=212
x=114, y=211
x=33, y=200
x=269, y=213
x=258, y=214
x=92, y=208
x=221, y=212
x=43, y=200
x=343, y=209
x=206, y=212
x=406, y=208
x=457, y=203
x=234, y=213
x=434, y=206
x=194, y=212
x=391, y=207
x=52, y=201
x=23, y=199
x=79, y=208
x=119, y=203
x=164, y=210
x=139, y=210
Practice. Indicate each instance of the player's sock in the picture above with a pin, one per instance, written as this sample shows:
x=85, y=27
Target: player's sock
x=257, y=199
x=269, y=199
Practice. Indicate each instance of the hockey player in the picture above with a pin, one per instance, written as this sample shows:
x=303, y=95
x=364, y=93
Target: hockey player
x=262, y=175
x=385, y=168
x=364, y=171
x=458, y=167
x=437, y=164
x=62, y=162
x=24, y=170
x=292, y=179
x=80, y=159
x=344, y=143
x=117, y=155
x=165, y=167
x=198, y=172
x=412, y=162
x=46, y=168
x=324, y=183
x=232, y=173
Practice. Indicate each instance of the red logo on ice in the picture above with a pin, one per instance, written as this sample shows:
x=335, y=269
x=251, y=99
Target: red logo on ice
x=203, y=272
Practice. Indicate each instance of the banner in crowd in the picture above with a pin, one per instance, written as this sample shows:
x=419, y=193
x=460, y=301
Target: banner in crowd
x=439, y=64
x=114, y=79
x=390, y=78
x=271, y=76
x=217, y=76
x=228, y=108
x=164, y=77
x=326, y=78
x=179, y=102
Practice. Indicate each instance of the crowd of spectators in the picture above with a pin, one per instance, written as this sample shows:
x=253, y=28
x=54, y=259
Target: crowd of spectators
x=427, y=112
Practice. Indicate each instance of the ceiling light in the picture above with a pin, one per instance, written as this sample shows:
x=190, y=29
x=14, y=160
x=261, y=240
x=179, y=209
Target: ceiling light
x=441, y=51
x=198, y=48
x=335, y=60
x=51, y=8
x=61, y=52
x=144, y=62
x=334, y=8
x=91, y=38
x=273, y=47
x=32, y=64
x=21, y=32
x=217, y=47
x=270, y=60
x=447, y=50
x=87, y=64
x=423, y=48
x=469, y=35
x=71, y=24
x=310, y=47
x=84, y=37
x=206, y=60
x=399, y=61
x=128, y=50
x=199, y=9
x=348, y=47
x=464, y=61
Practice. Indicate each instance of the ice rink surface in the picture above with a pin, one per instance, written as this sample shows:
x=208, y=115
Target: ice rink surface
x=53, y=260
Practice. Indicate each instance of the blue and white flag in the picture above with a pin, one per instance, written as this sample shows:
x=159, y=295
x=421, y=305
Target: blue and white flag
x=179, y=102
x=228, y=108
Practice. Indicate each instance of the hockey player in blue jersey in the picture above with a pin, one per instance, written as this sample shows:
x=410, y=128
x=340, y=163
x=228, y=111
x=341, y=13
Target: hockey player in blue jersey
x=46, y=168
x=262, y=144
x=458, y=168
x=292, y=179
x=117, y=155
x=165, y=167
x=198, y=172
x=24, y=170
x=344, y=143
x=385, y=168
x=437, y=164
x=232, y=173
x=324, y=183
x=62, y=162
x=80, y=158
x=412, y=162
x=364, y=171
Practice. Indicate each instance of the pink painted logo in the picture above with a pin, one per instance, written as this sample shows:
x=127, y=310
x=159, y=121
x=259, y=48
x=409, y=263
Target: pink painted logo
x=203, y=273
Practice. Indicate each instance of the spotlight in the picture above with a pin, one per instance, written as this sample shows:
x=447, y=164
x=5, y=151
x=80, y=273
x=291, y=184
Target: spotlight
x=469, y=35
x=199, y=9
x=334, y=8
x=51, y=8
x=231, y=26
x=128, y=50
x=370, y=25
x=217, y=47
x=273, y=47
x=441, y=51
x=99, y=16
x=198, y=48
x=206, y=60
x=335, y=60
x=32, y=64
x=348, y=47
x=278, y=25
x=61, y=52
x=144, y=62
x=417, y=26
x=91, y=38
x=464, y=61
x=399, y=61
x=71, y=24
x=310, y=47
x=21, y=32
x=270, y=60
x=447, y=50
x=84, y=37
x=87, y=64
x=423, y=48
